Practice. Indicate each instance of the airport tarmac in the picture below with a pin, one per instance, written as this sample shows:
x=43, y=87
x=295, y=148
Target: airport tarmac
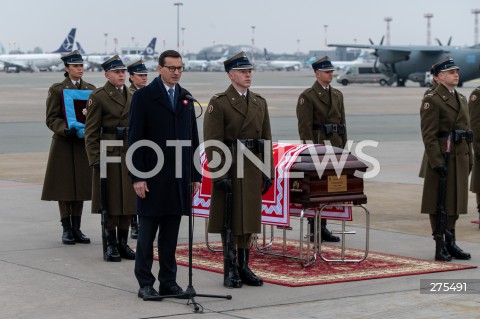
x=41, y=278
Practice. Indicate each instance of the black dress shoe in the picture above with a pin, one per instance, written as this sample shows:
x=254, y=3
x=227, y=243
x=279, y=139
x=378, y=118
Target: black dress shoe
x=174, y=290
x=149, y=293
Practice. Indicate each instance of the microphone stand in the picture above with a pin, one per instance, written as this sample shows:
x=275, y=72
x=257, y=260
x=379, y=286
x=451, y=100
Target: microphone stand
x=190, y=292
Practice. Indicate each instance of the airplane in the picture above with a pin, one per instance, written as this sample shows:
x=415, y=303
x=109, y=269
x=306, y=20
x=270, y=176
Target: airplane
x=38, y=61
x=363, y=57
x=217, y=65
x=96, y=60
x=196, y=65
x=278, y=65
x=410, y=62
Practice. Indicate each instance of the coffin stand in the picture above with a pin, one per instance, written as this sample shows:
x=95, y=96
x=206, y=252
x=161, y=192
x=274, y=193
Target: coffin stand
x=315, y=194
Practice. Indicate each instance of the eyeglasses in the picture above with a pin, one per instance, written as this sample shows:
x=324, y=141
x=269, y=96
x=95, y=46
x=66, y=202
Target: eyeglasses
x=173, y=68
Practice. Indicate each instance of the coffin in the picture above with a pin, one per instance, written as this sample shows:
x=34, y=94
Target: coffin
x=323, y=185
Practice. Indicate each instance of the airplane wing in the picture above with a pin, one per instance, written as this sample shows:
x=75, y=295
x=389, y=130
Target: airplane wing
x=19, y=65
x=395, y=53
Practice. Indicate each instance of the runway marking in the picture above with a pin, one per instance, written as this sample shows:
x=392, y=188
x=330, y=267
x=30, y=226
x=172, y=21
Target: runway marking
x=278, y=87
x=20, y=185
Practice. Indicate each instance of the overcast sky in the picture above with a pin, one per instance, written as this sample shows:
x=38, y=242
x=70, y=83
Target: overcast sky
x=280, y=25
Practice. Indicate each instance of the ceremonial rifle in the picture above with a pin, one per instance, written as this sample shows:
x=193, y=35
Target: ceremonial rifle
x=442, y=219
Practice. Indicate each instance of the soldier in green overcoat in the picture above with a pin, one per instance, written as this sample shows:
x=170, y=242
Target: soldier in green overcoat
x=444, y=112
x=321, y=118
x=239, y=115
x=68, y=178
x=107, y=119
x=138, y=79
x=474, y=110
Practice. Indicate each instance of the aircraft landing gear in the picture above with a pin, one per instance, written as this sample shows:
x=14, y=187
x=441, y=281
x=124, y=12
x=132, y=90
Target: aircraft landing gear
x=400, y=82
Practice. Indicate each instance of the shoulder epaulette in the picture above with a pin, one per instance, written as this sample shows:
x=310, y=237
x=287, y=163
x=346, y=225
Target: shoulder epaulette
x=54, y=85
x=258, y=95
x=217, y=95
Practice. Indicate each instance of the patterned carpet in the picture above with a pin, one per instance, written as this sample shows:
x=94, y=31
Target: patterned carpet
x=289, y=272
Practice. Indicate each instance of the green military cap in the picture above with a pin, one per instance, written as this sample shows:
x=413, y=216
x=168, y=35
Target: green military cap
x=73, y=57
x=137, y=67
x=238, y=62
x=114, y=63
x=323, y=64
x=445, y=64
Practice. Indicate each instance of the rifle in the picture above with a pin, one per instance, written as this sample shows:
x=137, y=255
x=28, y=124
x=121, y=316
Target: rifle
x=228, y=251
x=442, y=219
x=103, y=212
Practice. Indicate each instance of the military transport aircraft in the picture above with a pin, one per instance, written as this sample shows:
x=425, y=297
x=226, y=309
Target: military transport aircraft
x=38, y=61
x=402, y=62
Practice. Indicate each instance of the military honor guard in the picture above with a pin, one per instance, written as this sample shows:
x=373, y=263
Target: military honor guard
x=107, y=119
x=238, y=115
x=138, y=79
x=321, y=119
x=138, y=75
x=68, y=177
x=445, y=128
x=474, y=110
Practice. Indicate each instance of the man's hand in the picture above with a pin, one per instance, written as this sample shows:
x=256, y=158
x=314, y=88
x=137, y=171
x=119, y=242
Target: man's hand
x=196, y=187
x=267, y=183
x=225, y=184
x=81, y=133
x=141, y=189
x=441, y=170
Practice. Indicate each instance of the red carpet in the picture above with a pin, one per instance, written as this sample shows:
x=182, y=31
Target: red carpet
x=288, y=272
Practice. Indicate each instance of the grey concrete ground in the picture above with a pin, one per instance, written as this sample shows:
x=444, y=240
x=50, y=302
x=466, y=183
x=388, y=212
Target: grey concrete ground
x=41, y=278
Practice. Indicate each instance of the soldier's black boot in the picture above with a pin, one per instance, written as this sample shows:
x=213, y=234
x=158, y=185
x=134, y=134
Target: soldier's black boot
x=112, y=253
x=231, y=278
x=125, y=251
x=453, y=249
x=134, y=227
x=77, y=233
x=246, y=274
x=67, y=235
x=441, y=253
x=325, y=234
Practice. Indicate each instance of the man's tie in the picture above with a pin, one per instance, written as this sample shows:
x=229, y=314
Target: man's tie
x=77, y=84
x=170, y=96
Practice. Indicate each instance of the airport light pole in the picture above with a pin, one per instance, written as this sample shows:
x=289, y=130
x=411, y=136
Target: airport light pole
x=183, y=41
x=106, y=35
x=298, y=48
x=476, y=12
x=253, y=44
x=325, y=26
x=388, y=20
x=178, y=4
x=429, y=16
x=115, y=45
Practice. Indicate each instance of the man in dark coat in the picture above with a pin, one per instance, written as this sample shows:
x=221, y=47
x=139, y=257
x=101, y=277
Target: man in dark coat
x=474, y=111
x=68, y=178
x=239, y=115
x=321, y=117
x=107, y=120
x=161, y=113
x=444, y=112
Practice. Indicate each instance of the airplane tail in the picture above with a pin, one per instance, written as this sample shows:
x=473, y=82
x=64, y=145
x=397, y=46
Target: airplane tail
x=80, y=49
x=67, y=45
x=150, y=49
x=267, y=56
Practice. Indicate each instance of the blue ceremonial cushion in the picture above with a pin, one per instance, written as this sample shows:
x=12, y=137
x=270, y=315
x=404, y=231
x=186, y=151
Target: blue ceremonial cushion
x=74, y=106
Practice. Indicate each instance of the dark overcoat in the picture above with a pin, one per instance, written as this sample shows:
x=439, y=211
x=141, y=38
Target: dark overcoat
x=316, y=107
x=228, y=118
x=68, y=176
x=152, y=118
x=440, y=112
x=108, y=108
x=474, y=110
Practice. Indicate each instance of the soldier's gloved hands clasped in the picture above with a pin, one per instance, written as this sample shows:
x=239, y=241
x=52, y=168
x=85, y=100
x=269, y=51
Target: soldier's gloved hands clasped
x=225, y=184
x=441, y=170
x=267, y=183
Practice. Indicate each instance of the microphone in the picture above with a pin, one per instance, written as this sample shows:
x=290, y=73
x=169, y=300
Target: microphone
x=191, y=98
